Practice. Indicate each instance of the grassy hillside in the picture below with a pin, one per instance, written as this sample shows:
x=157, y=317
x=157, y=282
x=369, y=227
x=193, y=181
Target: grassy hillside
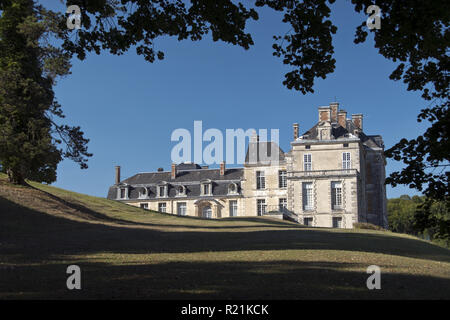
x=127, y=252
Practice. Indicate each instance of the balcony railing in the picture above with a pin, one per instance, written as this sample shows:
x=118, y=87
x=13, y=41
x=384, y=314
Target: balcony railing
x=322, y=173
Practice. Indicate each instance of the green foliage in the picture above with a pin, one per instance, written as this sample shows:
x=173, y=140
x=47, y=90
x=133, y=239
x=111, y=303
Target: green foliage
x=29, y=136
x=420, y=216
x=414, y=34
x=367, y=226
x=401, y=214
x=433, y=218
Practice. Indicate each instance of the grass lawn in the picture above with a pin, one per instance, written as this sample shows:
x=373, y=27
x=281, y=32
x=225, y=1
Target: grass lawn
x=127, y=252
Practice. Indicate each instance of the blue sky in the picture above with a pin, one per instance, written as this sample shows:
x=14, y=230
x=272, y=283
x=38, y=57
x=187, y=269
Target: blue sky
x=128, y=107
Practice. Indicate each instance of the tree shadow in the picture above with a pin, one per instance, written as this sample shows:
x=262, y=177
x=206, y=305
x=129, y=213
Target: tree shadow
x=94, y=215
x=34, y=236
x=217, y=280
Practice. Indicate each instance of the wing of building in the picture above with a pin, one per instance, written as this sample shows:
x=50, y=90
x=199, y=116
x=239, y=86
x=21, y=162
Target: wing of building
x=333, y=176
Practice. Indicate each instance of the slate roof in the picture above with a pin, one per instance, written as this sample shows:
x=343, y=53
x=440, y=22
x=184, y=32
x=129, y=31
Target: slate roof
x=190, y=178
x=254, y=147
x=338, y=131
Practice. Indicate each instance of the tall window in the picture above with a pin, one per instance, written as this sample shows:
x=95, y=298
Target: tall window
x=307, y=162
x=261, y=206
x=260, y=180
x=123, y=193
x=336, y=195
x=162, y=207
x=346, y=161
x=307, y=196
x=282, y=203
x=181, y=208
x=337, y=222
x=206, y=189
x=162, y=191
x=233, y=208
x=207, y=212
x=282, y=179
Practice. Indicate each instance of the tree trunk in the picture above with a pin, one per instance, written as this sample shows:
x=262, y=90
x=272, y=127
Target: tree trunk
x=15, y=176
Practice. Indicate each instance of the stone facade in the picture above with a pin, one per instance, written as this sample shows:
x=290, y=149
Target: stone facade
x=333, y=176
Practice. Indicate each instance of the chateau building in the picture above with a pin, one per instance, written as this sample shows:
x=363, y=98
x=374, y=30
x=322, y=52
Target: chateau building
x=333, y=176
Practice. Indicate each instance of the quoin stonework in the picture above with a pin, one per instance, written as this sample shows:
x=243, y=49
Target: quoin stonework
x=333, y=176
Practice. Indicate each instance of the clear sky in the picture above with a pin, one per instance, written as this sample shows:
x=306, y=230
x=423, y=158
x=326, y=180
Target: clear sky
x=128, y=107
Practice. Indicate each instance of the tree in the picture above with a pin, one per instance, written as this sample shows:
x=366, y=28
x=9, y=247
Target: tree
x=401, y=213
x=413, y=34
x=433, y=218
x=30, y=138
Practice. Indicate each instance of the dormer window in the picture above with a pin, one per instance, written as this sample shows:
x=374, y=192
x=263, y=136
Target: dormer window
x=162, y=190
x=232, y=188
x=324, y=130
x=206, y=188
x=181, y=191
x=143, y=193
x=122, y=193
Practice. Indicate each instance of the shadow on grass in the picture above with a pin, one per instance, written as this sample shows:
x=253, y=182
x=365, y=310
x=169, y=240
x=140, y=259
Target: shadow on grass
x=93, y=215
x=218, y=280
x=30, y=235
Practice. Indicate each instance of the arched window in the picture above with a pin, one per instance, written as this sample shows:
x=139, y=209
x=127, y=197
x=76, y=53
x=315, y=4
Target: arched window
x=232, y=188
x=181, y=191
x=143, y=192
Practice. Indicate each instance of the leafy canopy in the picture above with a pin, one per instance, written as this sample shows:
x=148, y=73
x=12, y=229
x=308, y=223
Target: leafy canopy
x=31, y=141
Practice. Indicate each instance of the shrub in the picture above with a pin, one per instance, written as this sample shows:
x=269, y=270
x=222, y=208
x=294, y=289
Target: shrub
x=365, y=225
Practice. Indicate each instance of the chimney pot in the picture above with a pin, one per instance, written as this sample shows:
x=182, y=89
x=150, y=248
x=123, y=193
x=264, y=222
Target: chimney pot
x=222, y=168
x=117, y=175
x=173, y=174
x=295, y=125
x=334, y=111
x=342, y=118
x=357, y=120
x=324, y=114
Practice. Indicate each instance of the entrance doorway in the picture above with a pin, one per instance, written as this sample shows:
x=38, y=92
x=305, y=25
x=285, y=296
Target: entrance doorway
x=207, y=212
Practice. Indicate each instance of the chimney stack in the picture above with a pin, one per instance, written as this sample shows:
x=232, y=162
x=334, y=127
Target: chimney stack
x=342, y=118
x=357, y=120
x=295, y=125
x=174, y=171
x=324, y=114
x=117, y=174
x=222, y=168
x=334, y=111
